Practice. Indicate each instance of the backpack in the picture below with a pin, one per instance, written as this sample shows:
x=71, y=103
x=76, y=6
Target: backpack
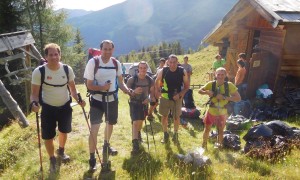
x=42, y=71
x=135, y=80
x=189, y=100
x=97, y=62
x=214, y=84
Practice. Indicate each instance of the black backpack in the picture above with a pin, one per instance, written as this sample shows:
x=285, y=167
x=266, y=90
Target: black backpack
x=42, y=71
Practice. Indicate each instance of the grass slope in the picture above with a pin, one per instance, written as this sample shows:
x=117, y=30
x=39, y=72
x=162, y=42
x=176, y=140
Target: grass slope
x=20, y=159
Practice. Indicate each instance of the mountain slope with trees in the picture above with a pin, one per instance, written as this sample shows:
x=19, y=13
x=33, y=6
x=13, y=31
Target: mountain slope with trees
x=134, y=24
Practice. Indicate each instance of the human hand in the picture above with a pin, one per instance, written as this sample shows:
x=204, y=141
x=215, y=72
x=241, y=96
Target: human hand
x=138, y=90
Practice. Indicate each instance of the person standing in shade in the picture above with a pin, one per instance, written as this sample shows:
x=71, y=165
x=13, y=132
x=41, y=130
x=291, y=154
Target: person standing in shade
x=171, y=78
x=239, y=78
x=104, y=100
x=217, y=111
x=142, y=86
x=53, y=95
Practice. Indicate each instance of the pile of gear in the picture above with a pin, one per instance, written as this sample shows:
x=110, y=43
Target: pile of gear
x=230, y=140
x=271, y=141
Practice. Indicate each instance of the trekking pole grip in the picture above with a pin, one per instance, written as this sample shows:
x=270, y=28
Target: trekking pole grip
x=79, y=98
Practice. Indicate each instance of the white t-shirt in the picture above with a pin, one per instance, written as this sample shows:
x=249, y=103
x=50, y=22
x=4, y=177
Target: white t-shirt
x=103, y=75
x=54, y=96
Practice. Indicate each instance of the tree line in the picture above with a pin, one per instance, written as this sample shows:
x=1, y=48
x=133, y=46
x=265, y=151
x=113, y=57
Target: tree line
x=47, y=25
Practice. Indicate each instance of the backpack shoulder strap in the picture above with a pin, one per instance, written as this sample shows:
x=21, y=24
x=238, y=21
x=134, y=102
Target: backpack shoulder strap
x=226, y=86
x=96, y=65
x=135, y=80
x=42, y=70
x=115, y=63
x=213, y=88
x=149, y=81
x=66, y=68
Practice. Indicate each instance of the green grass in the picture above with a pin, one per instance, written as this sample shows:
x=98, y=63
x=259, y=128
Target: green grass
x=20, y=158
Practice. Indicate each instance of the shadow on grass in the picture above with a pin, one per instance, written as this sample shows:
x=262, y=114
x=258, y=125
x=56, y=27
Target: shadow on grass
x=156, y=127
x=142, y=165
x=244, y=163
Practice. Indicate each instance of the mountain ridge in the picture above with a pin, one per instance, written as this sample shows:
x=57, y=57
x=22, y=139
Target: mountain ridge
x=134, y=24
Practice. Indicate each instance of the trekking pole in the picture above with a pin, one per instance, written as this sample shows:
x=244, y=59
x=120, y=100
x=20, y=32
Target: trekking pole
x=86, y=119
x=39, y=139
x=152, y=134
x=144, y=109
x=107, y=167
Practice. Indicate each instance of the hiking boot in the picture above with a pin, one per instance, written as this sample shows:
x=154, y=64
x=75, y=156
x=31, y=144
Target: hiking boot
x=140, y=137
x=111, y=151
x=92, y=163
x=52, y=168
x=105, y=167
x=175, y=138
x=166, y=138
x=135, y=147
x=63, y=156
x=150, y=117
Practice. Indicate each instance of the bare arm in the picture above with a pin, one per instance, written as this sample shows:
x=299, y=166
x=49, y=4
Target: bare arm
x=73, y=91
x=186, y=85
x=122, y=85
x=235, y=97
x=205, y=92
x=158, y=80
x=34, y=97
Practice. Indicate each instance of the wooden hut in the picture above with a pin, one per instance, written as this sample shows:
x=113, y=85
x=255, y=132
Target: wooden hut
x=17, y=47
x=269, y=33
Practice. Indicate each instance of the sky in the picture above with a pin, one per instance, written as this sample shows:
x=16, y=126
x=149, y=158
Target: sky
x=85, y=4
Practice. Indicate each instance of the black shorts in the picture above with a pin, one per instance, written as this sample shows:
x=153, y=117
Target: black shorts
x=138, y=111
x=52, y=114
x=98, y=108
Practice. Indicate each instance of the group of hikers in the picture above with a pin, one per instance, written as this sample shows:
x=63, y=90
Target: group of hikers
x=53, y=85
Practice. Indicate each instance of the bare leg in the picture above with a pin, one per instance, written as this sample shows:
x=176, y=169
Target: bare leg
x=93, y=137
x=50, y=147
x=62, y=139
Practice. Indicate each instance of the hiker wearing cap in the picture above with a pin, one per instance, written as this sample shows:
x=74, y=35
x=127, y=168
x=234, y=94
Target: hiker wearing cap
x=154, y=103
x=49, y=88
x=168, y=86
x=104, y=81
x=142, y=86
x=221, y=93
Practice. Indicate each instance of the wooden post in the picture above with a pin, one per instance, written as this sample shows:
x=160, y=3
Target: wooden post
x=12, y=106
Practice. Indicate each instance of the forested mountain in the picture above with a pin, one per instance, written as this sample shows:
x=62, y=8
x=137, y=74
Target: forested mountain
x=134, y=24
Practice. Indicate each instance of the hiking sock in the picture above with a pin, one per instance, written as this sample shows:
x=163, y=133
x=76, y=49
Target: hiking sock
x=92, y=155
x=61, y=150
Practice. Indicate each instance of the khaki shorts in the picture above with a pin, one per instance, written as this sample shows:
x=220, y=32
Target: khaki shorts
x=166, y=105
